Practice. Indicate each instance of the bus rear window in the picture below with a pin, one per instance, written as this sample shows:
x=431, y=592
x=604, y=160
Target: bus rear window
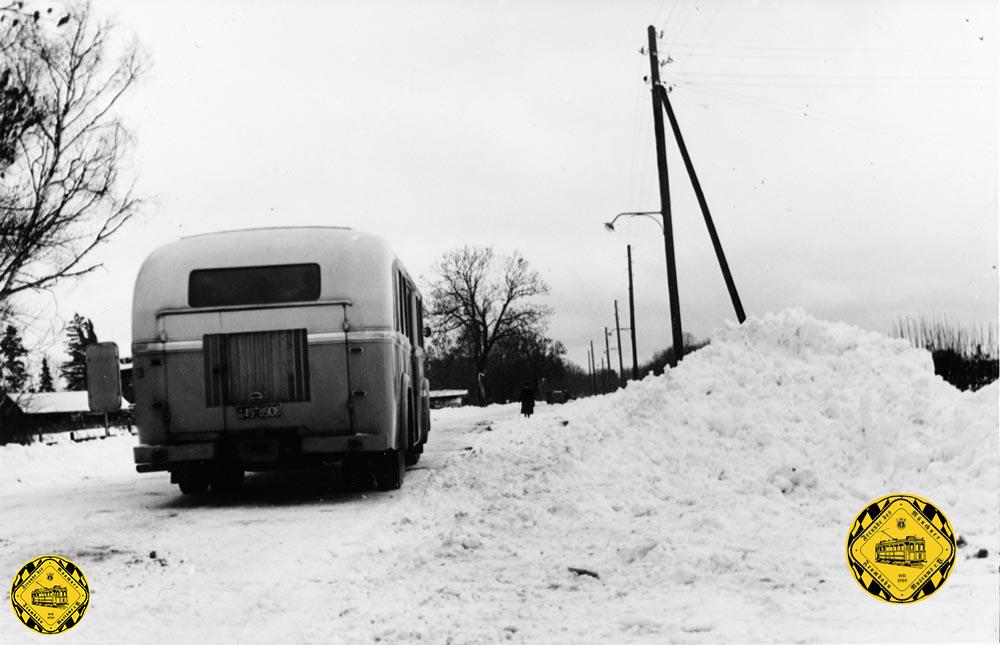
x=253, y=285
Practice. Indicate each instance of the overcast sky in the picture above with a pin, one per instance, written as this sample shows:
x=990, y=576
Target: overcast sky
x=847, y=149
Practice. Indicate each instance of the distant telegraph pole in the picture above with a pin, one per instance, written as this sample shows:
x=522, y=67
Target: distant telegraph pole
x=593, y=377
x=618, y=333
x=631, y=315
x=607, y=347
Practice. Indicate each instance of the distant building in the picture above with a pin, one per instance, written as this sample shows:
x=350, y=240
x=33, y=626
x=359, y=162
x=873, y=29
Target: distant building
x=448, y=398
x=24, y=415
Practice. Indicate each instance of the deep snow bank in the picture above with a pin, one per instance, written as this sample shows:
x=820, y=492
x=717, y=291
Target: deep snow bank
x=62, y=461
x=735, y=475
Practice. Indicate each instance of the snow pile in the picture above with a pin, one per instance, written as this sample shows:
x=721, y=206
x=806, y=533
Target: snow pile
x=730, y=481
x=63, y=461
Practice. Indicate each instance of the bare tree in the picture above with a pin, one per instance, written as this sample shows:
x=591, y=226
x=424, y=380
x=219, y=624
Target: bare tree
x=478, y=300
x=62, y=148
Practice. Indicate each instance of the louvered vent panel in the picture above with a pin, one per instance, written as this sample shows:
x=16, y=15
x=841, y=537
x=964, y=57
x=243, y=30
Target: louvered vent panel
x=256, y=367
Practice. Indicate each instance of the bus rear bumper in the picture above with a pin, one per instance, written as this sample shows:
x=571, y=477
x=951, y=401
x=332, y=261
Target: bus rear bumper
x=343, y=444
x=153, y=458
x=177, y=456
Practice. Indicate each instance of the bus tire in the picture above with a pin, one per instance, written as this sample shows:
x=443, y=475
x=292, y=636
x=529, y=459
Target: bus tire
x=356, y=473
x=193, y=482
x=390, y=468
x=227, y=481
x=412, y=454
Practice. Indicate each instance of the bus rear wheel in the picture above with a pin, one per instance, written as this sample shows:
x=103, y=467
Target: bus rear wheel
x=389, y=469
x=227, y=480
x=413, y=455
x=194, y=482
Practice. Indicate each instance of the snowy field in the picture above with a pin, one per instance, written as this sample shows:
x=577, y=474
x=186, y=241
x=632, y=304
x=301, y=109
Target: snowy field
x=713, y=503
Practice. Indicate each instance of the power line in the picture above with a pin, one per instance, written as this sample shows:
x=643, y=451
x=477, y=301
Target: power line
x=697, y=51
x=758, y=78
x=683, y=23
x=863, y=124
x=822, y=83
x=824, y=50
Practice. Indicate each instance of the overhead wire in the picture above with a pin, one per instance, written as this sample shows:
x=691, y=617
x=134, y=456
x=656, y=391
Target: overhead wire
x=675, y=32
x=778, y=78
x=825, y=56
x=854, y=122
x=711, y=20
x=634, y=179
x=670, y=14
x=908, y=53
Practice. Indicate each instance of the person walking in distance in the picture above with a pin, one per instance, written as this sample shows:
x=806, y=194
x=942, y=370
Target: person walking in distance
x=527, y=399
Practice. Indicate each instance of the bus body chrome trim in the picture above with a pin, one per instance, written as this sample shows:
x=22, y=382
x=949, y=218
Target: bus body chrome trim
x=316, y=338
x=340, y=302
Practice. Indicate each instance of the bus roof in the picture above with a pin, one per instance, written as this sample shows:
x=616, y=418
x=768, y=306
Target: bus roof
x=270, y=228
x=354, y=265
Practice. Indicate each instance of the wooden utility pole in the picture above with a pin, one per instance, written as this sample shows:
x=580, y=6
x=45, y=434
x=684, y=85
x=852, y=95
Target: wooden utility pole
x=607, y=348
x=618, y=333
x=593, y=377
x=668, y=232
x=716, y=244
x=631, y=315
x=590, y=374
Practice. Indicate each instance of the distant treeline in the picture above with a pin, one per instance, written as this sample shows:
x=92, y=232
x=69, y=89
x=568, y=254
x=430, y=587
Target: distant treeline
x=964, y=355
x=540, y=362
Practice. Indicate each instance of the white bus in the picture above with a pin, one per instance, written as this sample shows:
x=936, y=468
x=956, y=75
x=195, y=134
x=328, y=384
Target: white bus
x=266, y=348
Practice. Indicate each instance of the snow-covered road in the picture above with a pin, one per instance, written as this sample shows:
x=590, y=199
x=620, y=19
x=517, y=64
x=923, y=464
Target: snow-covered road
x=293, y=558
x=712, y=502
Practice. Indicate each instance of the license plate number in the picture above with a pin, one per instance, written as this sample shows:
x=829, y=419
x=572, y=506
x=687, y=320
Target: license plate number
x=248, y=412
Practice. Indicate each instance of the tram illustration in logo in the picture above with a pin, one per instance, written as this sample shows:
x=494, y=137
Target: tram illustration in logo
x=54, y=596
x=907, y=552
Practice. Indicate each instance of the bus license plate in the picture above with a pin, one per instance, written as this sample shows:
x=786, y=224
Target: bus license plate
x=247, y=412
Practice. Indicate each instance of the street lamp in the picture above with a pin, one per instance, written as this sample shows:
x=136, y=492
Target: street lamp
x=650, y=214
x=668, y=245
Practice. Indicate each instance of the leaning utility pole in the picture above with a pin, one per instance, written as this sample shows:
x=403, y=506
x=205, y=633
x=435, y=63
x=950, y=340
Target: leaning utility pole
x=716, y=244
x=618, y=332
x=668, y=232
x=631, y=316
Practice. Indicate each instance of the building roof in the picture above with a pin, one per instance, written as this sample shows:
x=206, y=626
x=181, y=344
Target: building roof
x=52, y=402
x=447, y=394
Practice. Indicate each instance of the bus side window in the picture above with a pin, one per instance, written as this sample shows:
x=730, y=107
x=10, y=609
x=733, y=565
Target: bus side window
x=420, y=323
x=400, y=290
x=409, y=314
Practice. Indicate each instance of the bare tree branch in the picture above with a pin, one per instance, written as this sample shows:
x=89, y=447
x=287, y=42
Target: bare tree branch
x=61, y=147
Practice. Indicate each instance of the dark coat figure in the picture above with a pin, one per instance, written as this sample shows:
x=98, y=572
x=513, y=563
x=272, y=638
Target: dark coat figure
x=527, y=399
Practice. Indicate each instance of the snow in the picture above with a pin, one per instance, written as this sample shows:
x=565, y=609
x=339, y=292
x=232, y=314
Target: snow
x=53, y=402
x=711, y=503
